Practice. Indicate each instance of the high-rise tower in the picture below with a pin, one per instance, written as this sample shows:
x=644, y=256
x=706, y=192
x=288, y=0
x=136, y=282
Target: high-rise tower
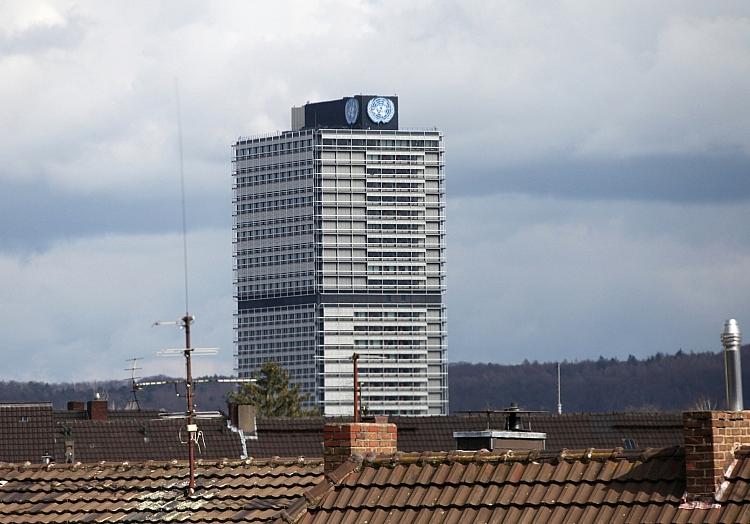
x=339, y=238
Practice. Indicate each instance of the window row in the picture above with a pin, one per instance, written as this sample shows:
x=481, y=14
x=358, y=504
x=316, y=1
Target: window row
x=272, y=221
x=398, y=282
x=275, y=288
x=291, y=146
x=377, y=199
x=270, y=205
x=275, y=346
x=390, y=314
x=390, y=342
x=277, y=168
x=270, y=232
x=277, y=177
x=271, y=249
x=383, y=329
x=258, y=319
x=394, y=212
x=285, y=258
x=374, y=142
x=272, y=194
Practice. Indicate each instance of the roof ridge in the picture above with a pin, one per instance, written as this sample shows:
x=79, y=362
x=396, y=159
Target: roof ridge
x=524, y=456
x=207, y=463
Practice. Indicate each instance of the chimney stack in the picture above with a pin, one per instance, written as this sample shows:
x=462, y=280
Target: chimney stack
x=731, y=338
x=97, y=409
x=242, y=417
x=341, y=441
x=711, y=438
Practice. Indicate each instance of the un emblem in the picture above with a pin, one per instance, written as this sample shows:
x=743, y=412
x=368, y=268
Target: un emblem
x=351, y=110
x=380, y=110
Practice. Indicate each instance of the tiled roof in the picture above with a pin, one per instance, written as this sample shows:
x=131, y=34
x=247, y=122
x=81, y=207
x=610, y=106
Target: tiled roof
x=134, y=435
x=142, y=439
x=569, y=430
x=540, y=487
x=247, y=491
x=304, y=436
x=447, y=487
x=26, y=431
x=31, y=432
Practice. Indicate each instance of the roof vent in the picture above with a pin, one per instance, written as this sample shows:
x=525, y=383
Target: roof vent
x=731, y=338
x=516, y=435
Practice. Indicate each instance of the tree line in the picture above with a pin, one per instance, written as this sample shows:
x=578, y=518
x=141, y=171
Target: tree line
x=658, y=383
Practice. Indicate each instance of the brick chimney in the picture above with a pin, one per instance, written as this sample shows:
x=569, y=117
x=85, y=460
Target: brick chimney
x=341, y=441
x=76, y=405
x=97, y=409
x=711, y=438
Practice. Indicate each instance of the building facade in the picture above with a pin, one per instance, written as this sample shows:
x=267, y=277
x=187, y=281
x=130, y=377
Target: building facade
x=339, y=238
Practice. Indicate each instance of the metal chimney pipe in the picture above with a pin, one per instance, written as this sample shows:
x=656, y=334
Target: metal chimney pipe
x=731, y=338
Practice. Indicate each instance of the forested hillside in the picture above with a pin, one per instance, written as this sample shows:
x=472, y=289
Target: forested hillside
x=661, y=382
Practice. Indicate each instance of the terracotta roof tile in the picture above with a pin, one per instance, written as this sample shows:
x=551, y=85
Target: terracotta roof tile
x=581, y=486
x=152, y=492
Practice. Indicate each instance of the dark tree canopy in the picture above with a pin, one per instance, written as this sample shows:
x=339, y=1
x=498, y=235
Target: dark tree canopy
x=272, y=395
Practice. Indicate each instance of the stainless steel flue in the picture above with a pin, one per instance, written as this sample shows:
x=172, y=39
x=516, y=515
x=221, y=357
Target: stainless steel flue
x=731, y=339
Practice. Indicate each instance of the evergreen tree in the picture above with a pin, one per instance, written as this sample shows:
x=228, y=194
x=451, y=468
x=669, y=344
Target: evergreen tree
x=272, y=395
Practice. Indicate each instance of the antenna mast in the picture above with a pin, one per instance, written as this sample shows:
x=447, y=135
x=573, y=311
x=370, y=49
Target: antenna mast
x=559, y=398
x=355, y=360
x=191, y=425
x=133, y=404
x=182, y=193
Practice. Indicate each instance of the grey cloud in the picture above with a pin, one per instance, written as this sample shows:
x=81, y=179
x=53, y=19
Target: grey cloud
x=545, y=279
x=35, y=216
x=80, y=308
x=670, y=178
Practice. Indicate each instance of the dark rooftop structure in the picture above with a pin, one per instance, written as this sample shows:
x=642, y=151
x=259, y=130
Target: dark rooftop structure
x=31, y=432
x=303, y=436
x=26, y=432
x=37, y=434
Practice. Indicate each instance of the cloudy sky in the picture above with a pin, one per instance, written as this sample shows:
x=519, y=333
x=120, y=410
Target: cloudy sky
x=598, y=166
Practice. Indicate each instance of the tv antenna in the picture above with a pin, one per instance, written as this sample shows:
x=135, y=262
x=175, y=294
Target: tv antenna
x=188, y=351
x=186, y=320
x=356, y=386
x=133, y=404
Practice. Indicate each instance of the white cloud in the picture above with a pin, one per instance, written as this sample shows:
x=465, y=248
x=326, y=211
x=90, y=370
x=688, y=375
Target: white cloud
x=514, y=80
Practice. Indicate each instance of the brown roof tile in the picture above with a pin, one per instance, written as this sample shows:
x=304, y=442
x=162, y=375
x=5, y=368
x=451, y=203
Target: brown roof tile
x=247, y=491
x=574, y=486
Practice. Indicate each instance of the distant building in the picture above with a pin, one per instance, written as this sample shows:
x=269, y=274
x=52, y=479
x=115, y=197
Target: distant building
x=339, y=241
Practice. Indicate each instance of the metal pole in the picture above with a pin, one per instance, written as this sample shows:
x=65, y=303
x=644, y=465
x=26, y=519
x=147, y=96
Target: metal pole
x=559, y=398
x=731, y=338
x=186, y=320
x=355, y=358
